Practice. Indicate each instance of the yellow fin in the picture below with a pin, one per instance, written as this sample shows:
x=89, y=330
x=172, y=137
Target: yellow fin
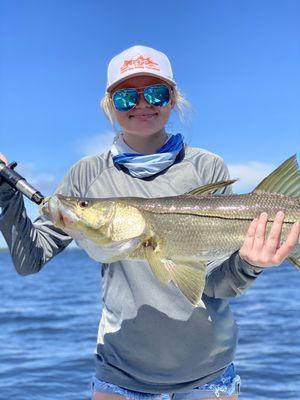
x=285, y=179
x=153, y=257
x=189, y=278
x=210, y=188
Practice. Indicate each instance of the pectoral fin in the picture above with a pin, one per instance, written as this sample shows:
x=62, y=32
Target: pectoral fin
x=188, y=277
x=153, y=257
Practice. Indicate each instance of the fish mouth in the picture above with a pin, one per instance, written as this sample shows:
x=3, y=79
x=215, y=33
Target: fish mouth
x=44, y=207
x=67, y=217
x=54, y=209
x=61, y=219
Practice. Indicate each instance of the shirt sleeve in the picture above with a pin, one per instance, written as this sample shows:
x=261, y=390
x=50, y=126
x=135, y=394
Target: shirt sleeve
x=230, y=277
x=31, y=244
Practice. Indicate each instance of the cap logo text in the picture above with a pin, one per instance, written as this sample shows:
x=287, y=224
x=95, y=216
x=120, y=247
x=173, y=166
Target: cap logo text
x=139, y=61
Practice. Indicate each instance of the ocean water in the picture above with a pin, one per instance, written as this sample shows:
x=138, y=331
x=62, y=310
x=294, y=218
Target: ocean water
x=49, y=325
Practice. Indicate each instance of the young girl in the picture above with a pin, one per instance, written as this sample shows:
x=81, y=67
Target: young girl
x=151, y=340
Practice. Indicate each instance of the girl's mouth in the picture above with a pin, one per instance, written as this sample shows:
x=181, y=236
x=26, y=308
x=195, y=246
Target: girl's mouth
x=143, y=116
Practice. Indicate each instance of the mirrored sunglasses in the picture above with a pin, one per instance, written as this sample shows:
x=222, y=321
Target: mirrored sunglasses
x=126, y=99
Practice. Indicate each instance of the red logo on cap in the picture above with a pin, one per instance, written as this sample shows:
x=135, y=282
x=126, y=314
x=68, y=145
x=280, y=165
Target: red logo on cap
x=139, y=61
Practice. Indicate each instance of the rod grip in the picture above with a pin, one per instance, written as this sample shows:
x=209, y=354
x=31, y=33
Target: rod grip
x=18, y=182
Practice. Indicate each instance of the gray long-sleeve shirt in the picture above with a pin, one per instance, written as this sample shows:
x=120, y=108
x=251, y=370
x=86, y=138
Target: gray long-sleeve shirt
x=151, y=339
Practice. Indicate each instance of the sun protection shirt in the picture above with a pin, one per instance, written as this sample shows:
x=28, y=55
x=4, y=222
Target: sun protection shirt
x=150, y=339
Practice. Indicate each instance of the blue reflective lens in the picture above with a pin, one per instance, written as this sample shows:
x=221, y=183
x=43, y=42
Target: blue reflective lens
x=125, y=99
x=156, y=95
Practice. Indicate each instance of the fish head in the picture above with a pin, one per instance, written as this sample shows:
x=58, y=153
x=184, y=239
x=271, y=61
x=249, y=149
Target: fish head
x=101, y=220
x=91, y=217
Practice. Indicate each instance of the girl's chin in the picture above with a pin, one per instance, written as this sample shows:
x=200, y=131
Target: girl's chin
x=143, y=131
x=144, y=127
x=143, y=123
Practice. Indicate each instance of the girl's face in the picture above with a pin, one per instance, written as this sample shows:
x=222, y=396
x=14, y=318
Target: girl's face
x=144, y=119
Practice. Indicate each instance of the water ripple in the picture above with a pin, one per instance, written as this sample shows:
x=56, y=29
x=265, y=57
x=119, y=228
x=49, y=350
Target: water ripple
x=49, y=319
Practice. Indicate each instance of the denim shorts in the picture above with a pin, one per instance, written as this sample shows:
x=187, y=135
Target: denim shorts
x=228, y=384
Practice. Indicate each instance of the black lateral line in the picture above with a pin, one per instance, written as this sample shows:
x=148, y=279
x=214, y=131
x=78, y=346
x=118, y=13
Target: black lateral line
x=218, y=217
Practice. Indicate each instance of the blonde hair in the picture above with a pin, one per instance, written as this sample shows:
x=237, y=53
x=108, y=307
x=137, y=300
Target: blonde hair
x=181, y=104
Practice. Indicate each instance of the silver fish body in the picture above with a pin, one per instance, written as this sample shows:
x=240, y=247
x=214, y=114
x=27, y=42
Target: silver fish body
x=210, y=227
x=178, y=235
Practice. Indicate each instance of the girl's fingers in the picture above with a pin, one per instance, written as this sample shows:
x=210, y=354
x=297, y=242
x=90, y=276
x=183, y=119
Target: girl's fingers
x=260, y=252
x=291, y=240
x=259, y=236
x=250, y=235
x=3, y=158
x=273, y=241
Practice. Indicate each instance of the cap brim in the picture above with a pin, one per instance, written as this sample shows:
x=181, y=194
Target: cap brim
x=115, y=84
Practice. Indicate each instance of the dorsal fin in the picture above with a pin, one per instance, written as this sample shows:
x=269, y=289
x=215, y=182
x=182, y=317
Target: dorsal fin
x=285, y=179
x=210, y=188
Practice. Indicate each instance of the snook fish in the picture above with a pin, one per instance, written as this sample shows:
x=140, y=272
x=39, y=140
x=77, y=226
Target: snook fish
x=178, y=235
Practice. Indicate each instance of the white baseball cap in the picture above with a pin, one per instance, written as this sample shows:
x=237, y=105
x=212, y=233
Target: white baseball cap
x=139, y=60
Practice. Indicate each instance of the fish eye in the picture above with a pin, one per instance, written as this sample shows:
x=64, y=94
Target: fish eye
x=83, y=203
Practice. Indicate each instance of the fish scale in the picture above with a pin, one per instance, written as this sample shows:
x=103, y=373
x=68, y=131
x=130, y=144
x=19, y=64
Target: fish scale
x=209, y=220
x=190, y=235
x=245, y=207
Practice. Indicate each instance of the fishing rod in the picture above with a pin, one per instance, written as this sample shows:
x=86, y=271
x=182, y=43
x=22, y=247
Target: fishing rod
x=18, y=182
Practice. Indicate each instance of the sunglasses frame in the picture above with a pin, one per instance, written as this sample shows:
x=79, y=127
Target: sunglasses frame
x=139, y=90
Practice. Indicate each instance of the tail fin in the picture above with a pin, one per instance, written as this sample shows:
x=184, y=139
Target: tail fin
x=295, y=261
x=285, y=180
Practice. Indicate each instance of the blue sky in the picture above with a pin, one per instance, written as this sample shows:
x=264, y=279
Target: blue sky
x=237, y=62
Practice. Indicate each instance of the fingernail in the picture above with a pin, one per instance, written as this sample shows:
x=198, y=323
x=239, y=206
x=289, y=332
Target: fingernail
x=280, y=214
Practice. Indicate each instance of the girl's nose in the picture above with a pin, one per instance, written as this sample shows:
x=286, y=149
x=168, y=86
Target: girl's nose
x=141, y=101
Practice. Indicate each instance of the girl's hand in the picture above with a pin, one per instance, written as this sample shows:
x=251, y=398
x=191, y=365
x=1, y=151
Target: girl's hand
x=3, y=158
x=262, y=252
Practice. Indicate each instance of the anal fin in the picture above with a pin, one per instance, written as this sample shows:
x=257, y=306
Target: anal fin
x=188, y=277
